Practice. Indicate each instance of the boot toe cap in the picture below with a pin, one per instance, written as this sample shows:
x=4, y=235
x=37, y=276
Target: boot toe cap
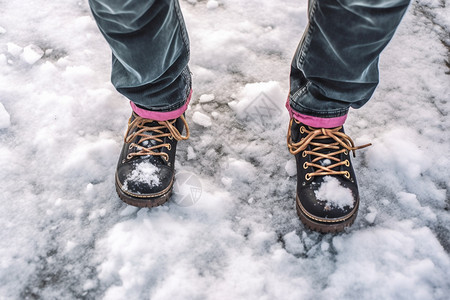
x=322, y=210
x=144, y=182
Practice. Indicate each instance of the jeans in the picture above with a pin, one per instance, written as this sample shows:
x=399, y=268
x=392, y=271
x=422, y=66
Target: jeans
x=150, y=51
x=335, y=66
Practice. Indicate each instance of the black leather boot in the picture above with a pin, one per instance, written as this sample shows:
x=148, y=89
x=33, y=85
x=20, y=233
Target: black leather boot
x=327, y=192
x=145, y=171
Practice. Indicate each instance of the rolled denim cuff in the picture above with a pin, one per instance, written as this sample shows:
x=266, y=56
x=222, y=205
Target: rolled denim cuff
x=313, y=121
x=309, y=101
x=162, y=97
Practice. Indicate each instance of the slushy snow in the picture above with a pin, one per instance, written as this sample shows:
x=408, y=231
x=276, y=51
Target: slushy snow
x=65, y=234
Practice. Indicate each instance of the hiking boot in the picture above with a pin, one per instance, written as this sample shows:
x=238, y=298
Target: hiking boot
x=145, y=171
x=327, y=192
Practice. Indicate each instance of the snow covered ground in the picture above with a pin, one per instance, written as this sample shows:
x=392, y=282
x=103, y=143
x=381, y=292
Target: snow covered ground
x=65, y=234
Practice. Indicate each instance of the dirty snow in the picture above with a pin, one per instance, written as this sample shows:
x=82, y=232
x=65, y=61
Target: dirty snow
x=65, y=234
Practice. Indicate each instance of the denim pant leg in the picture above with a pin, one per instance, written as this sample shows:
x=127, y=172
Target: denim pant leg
x=150, y=51
x=336, y=63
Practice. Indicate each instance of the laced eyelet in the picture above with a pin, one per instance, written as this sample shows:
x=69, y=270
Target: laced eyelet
x=346, y=152
x=170, y=137
x=347, y=175
x=131, y=146
x=347, y=163
x=302, y=129
x=169, y=147
x=129, y=156
x=296, y=121
x=165, y=158
x=304, y=154
x=307, y=177
x=305, y=165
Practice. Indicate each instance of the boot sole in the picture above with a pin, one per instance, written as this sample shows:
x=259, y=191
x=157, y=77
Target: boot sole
x=326, y=227
x=148, y=201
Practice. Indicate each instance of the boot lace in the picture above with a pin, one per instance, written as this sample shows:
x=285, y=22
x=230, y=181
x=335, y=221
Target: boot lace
x=343, y=144
x=153, y=133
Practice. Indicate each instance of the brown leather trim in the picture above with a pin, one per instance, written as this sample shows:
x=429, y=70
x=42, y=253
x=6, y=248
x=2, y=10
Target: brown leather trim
x=335, y=220
x=144, y=196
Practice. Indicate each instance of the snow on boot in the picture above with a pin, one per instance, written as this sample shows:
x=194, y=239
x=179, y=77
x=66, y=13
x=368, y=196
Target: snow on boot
x=327, y=192
x=145, y=171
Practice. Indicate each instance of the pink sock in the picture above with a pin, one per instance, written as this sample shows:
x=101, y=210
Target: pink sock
x=159, y=115
x=315, y=121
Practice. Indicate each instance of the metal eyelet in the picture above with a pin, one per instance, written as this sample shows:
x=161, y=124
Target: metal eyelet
x=347, y=163
x=129, y=156
x=169, y=147
x=346, y=152
x=296, y=121
x=302, y=129
x=347, y=175
x=131, y=146
x=305, y=165
x=170, y=137
x=304, y=154
x=307, y=176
